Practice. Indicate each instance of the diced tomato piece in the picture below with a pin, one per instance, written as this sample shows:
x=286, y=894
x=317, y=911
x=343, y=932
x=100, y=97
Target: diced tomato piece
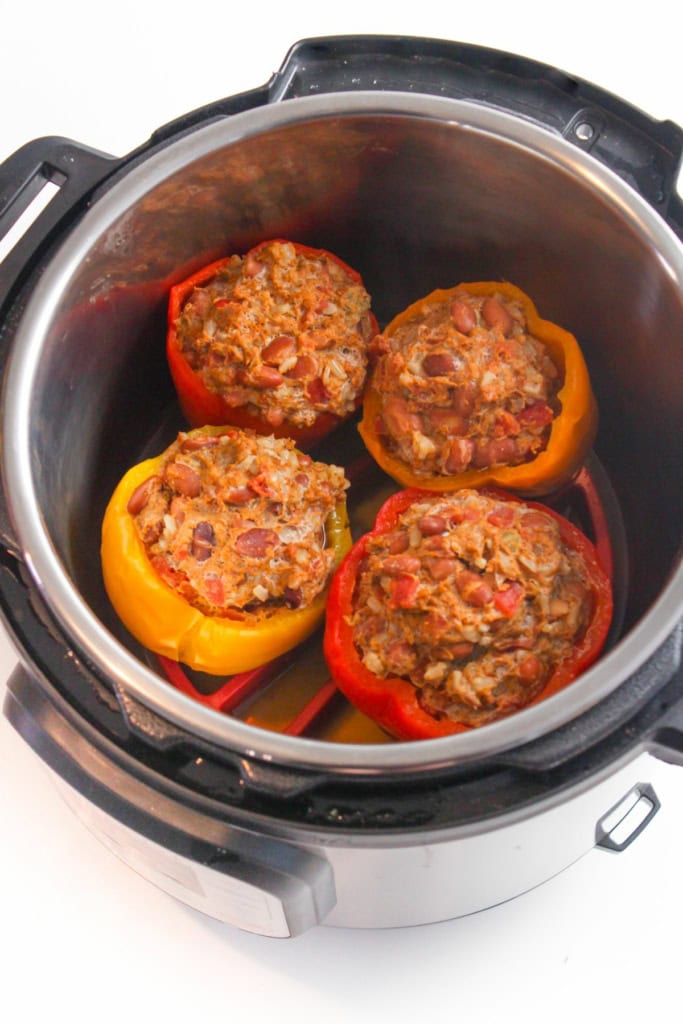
x=214, y=590
x=174, y=577
x=506, y=425
x=403, y=591
x=539, y=414
x=507, y=601
x=260, y=484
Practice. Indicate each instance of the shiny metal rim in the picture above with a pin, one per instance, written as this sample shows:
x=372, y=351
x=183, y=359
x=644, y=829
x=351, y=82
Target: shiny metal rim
x=112, y=659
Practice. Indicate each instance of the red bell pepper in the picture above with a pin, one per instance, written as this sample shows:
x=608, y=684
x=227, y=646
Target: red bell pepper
x=202, y=406
x=393, y=702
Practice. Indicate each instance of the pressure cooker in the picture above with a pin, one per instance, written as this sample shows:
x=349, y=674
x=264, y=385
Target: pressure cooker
x=423, y=163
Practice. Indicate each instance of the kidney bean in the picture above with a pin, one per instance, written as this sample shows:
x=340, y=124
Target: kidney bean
x=503, y=516
x=305, y=366
x=266, y=377
x=463, y=399
x=254, y=543
x=533, y=522
x=399, y=544
x=463, y=316
x=239, y=495
x=141, y=495
x=404, y=592
x=278, y=349
x=317, y=392
x=275, y=417
x=183, y=479
x=177, y=510
x=398, y=564
x=459, y=455
x=430, y=525
x=199, y=442
x=473, y=589
x=252, y=266
x=438, y=543
x=447, y=420
x=462, y=515
x=442, y=568
x=439, y=364
x=529, y=669
x=399, y=419
x=489, y=453
x=203, y=540
x=293, y=598
x=496, y=315
x=437, y=626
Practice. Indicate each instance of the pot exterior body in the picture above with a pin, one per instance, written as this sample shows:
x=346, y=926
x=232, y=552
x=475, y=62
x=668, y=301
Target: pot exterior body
x=357, y=883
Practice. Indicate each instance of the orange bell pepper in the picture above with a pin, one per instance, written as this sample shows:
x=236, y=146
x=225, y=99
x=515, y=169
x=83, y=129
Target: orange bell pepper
x=572, y=431
x=164, y=622
x=199, y=404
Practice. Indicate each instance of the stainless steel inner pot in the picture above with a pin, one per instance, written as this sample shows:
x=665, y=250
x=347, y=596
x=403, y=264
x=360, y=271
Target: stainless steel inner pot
x=417, y=192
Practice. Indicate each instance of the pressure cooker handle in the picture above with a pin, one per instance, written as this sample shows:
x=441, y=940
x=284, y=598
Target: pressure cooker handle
x=646, y=153
x=187, y=847
x=44, y=180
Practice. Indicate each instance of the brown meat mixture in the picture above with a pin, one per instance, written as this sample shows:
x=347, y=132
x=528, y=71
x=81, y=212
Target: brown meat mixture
x=473, y=600
x=236, y=522
x=464, y=385
x=282, y=332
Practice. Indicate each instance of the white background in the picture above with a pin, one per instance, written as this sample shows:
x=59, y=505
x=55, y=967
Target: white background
x=83, y=937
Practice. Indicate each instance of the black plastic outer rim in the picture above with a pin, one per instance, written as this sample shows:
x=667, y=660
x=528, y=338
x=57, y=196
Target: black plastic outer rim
x=58, y=691
x=338, y=64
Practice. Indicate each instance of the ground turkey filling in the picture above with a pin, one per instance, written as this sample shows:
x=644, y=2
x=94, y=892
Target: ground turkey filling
x=236, y=522
x=282, y=332
x=473, y=600
x=464, y=385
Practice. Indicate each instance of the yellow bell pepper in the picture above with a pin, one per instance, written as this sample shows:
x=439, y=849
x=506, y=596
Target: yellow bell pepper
x=165, y=623
x=572, y=431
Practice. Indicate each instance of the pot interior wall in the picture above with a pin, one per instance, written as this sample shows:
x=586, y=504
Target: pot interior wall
x=414, y=204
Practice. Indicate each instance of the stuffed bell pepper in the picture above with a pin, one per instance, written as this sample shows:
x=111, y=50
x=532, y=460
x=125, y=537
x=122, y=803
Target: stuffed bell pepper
x=275, y=341
x=459, y=609
x=218, y=553
x=471, y=387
